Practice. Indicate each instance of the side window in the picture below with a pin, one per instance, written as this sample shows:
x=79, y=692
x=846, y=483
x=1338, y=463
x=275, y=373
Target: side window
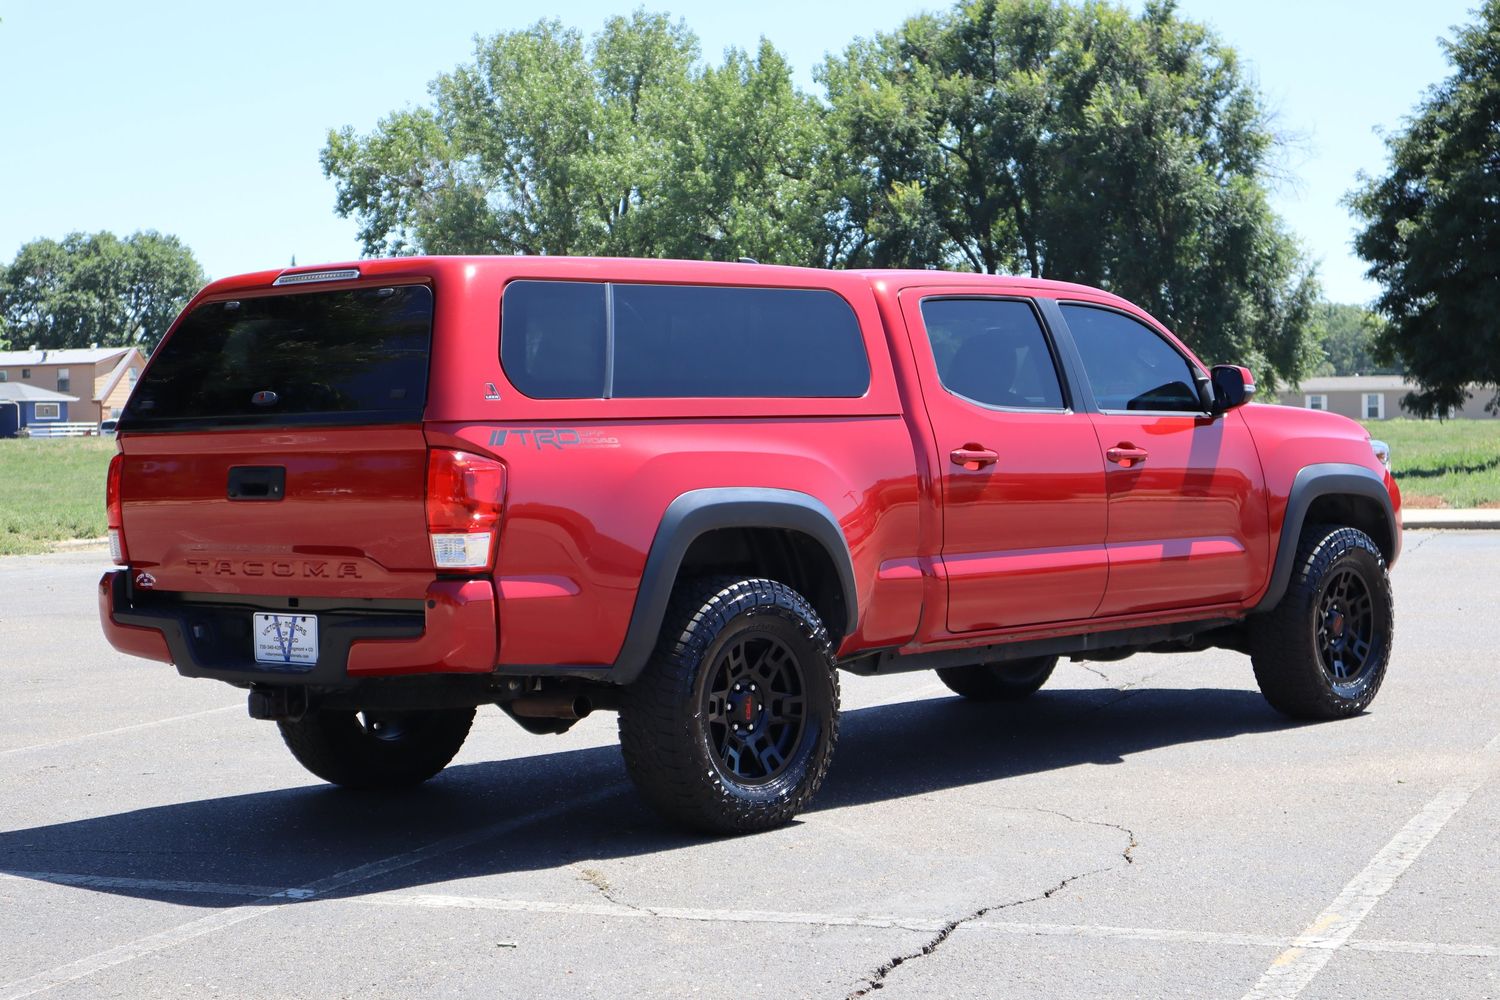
x=1129, y=365
x=594, y=340
x=992, y=351
x=682, y=341
x=553, y=339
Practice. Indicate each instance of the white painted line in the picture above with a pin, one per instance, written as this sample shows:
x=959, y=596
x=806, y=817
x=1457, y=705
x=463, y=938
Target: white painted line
x=1311, y=950
x=810, y=919
x=140, y=947
x=123, y=729
x=146, y=884
x=885, y=922
x=439, y=901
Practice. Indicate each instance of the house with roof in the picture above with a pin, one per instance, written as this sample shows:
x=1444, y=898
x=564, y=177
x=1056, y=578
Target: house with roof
x=23, y=405
x=1372, y=397
x=97, y=380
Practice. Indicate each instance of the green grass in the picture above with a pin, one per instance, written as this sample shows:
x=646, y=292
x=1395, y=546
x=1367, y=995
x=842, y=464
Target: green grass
x=51, y=491
x=1455, y=463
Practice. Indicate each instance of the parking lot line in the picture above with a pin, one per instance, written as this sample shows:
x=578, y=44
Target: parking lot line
x=1299, y=964
x=260, y=906
x=811, y=919
x=123, y=729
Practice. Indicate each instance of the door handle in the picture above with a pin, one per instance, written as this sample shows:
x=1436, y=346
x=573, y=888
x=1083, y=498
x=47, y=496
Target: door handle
x=973, y=456
x=1127, y=455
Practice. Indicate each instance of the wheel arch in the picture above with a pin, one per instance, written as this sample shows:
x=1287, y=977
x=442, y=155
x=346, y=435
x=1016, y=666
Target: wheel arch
x=1333, y=493
x=783, y=534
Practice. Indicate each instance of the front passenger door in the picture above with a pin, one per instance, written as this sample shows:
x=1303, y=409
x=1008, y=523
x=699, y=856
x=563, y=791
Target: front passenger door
x=1187, y=517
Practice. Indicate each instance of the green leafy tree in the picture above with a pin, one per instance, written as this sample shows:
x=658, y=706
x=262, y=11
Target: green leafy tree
x=95, y=288
x=1432, y=229
x=624, y=145
x=1347, y=335
x=1079, y=143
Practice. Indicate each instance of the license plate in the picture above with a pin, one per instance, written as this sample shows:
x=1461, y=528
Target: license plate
x=286, y=640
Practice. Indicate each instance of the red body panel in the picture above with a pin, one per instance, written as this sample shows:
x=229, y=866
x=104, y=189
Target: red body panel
x=1056, y=539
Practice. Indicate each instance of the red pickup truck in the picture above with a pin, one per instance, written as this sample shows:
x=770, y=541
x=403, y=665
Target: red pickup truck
x=378, y=495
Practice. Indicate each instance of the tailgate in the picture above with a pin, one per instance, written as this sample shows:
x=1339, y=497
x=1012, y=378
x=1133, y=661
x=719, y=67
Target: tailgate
x=350, y=520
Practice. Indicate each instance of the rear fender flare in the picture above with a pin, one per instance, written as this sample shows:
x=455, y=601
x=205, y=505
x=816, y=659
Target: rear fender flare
x=699, y=511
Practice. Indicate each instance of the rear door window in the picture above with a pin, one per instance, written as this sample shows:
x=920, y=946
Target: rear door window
x=994, y=352
x=582, y=340
x=350, y=356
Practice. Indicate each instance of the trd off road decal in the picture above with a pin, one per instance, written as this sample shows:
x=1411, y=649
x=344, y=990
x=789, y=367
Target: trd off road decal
x=552, y=437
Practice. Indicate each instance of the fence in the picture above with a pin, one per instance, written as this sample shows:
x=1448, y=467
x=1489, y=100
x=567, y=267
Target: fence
x=50, y=430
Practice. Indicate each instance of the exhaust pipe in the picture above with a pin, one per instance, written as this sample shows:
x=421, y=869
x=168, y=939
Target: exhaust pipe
x=552, y=706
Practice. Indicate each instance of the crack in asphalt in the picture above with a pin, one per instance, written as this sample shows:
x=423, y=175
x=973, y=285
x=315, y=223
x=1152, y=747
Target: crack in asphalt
x=602, y=886
x=876, y=979
x=1097, y=673
x=1129, y=833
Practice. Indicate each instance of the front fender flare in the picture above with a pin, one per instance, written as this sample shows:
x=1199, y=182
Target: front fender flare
x=1311, y=482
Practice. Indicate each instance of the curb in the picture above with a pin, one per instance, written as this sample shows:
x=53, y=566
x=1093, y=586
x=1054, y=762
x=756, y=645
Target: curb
x=1474, y=520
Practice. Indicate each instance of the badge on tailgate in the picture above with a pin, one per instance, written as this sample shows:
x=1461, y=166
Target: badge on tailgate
x=286, y=640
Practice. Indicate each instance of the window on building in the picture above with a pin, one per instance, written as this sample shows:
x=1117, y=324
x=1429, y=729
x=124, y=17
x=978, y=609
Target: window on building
x=4, y=376
x=26, y=373
x=64, y=379
x=1317, y=401
x=47, y=411
x=1374, y=406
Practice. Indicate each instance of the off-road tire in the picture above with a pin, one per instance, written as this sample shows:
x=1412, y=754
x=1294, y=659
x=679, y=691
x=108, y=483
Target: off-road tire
x=1289, y=643
x=1007, y=681
x=377, y=750
x=674, y=728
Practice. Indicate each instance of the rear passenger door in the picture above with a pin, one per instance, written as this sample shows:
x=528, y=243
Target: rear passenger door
x=1022, y=479
x=1187, y=519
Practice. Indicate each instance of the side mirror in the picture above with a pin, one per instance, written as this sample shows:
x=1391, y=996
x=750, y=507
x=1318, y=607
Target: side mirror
x=1233, y=386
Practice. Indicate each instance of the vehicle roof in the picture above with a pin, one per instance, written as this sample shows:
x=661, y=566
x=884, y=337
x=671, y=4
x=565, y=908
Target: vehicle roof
x=604, y=268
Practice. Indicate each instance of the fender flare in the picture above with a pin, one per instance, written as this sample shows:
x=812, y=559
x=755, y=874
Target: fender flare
x=1311, y=482
x=685, y=520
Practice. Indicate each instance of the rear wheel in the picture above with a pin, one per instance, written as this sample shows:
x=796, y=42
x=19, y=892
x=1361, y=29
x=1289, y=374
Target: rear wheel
x=1321, y=653
x=1008, y=681
x=377, y=750
x=731, y=727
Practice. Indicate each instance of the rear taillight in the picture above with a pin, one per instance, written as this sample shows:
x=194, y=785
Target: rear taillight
x=465, y=496
x=114, y=511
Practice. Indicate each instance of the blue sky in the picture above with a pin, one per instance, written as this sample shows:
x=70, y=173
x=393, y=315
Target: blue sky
x=206, y=119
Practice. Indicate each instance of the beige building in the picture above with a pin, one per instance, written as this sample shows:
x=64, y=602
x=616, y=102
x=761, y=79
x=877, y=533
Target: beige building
x=1371, y=397
x=101, y=377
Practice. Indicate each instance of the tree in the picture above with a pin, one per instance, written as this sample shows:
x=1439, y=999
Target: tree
x=1432, y=229
x=95, y=288
x=1078, y=143
x=1347, y=336
x=622, y=146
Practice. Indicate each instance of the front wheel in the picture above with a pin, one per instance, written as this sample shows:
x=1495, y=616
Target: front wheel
x=731, y=727
x=377, y=750
x=1321, y=653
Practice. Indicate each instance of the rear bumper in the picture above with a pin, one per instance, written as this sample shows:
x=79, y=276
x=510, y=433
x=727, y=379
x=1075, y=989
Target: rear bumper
x=454, y=630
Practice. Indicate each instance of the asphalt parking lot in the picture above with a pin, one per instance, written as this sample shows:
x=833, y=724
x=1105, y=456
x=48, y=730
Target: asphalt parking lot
x=1141, y=828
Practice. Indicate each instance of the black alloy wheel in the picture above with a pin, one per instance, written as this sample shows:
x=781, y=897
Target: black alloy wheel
x=1345, y=624
x=756, y=708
